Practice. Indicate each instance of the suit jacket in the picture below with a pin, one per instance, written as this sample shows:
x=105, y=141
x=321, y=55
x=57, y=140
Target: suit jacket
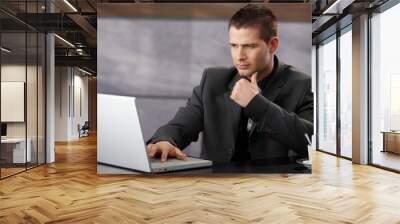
x=282, y=114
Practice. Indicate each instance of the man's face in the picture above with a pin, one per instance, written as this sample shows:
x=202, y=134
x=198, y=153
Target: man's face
x=249, y=52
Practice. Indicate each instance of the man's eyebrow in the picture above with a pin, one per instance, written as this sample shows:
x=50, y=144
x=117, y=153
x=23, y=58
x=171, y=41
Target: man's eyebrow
x=250, y=44
x=245, y=45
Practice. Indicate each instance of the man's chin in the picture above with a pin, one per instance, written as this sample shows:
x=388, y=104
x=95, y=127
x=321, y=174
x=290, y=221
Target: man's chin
x=245, y=74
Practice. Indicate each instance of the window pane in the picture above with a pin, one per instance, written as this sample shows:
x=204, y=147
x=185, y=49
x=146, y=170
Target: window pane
x=385, y=84
x=327, y=96
x=346, y=94
x=41, y=98
x=31, y=97
x=13, y=86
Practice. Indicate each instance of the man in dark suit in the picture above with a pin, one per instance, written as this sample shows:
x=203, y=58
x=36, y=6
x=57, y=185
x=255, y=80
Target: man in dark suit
x=258, y=109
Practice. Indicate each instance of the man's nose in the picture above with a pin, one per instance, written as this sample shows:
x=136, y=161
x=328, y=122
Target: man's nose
x=241, y=54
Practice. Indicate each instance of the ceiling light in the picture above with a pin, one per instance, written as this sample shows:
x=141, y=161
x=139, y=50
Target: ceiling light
x=70, y=5
x=5, y=50
x=65, y=41
x=337, y=7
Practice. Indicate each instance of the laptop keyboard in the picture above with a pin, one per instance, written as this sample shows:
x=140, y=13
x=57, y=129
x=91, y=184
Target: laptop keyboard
x=158, y=160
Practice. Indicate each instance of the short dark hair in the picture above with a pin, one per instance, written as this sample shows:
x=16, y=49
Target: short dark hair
x=256, y=15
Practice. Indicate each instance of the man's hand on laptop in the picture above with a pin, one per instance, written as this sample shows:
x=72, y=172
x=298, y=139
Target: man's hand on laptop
x=165, y=149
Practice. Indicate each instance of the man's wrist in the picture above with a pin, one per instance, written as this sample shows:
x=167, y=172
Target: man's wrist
x=168, y=139
x=257, y=107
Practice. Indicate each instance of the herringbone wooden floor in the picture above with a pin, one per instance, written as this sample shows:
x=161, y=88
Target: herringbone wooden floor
x=70, y=191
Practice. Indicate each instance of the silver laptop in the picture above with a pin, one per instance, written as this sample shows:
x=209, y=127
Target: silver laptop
x=120, y=140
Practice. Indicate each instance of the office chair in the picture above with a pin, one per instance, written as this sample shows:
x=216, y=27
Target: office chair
x=84, y=130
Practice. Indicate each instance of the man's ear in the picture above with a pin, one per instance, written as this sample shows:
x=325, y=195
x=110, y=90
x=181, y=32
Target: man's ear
x=273, y=45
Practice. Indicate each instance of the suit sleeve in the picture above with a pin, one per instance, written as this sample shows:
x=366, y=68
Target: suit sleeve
x=288, y=128
x=187, y=123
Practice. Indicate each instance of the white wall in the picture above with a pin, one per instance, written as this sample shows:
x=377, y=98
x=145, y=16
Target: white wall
x=62, y=81
x=79, y=117
x=14, y=73
x=70, y=84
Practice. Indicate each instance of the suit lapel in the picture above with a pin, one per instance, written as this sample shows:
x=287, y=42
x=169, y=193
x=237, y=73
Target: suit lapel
x=272, y=91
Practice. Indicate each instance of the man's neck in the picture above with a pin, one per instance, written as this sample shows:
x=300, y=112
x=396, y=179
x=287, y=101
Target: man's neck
x=267, y=72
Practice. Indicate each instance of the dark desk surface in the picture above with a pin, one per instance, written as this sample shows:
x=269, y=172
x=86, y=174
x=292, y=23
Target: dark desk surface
x=267, y=166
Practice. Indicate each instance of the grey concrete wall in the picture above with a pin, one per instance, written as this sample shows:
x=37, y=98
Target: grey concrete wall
x=166, y=57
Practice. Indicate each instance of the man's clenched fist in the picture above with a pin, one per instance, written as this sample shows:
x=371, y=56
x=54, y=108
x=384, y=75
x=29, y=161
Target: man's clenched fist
x=244, y=91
